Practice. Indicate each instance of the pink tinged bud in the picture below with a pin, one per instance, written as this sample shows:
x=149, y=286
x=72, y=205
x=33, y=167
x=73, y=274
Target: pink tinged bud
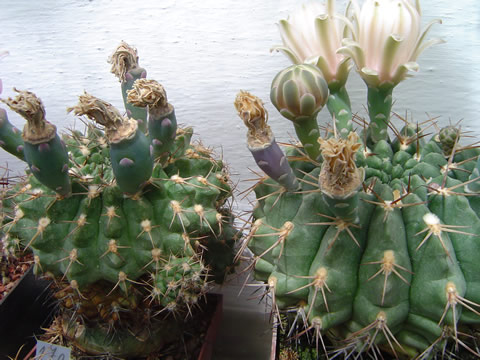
x=20, y=148
x=65, y=168
x=34, y=168
x=157, y=142
x=129, y=113
x=143, y=75
x=299, y=91
x=15, y=130
x=151, y=150
x=126, y=162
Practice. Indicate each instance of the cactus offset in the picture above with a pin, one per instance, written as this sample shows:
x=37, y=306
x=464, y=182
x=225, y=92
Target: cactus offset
x=125, y=67
x=44, y=152
x=162, y=122
x=379, y=245
x=135, y=245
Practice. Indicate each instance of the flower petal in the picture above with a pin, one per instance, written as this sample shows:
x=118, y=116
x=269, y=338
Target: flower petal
x=427, y=44
x=420, y=43
x=402, y=71
x=370, y=76
x=291, y=95
x=328, y=39
x=353, y=50
x=390, y=54
x=289, y=53
x=308, y=104
x=291, y=40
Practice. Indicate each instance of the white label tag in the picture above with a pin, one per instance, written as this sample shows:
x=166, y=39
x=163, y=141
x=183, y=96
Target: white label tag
x=46, y=351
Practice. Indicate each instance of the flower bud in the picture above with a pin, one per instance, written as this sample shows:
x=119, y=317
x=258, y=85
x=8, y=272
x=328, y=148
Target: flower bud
x=299, y=92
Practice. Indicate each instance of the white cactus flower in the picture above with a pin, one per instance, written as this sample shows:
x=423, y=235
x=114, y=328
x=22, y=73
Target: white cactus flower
x=386, y=39
x=313, y=34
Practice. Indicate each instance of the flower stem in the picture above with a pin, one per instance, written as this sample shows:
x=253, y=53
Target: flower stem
x=379, y=107
x=308, y=133
x=338, y=105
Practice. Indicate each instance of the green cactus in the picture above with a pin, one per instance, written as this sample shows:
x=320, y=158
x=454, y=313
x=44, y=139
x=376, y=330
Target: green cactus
x=377, y=247
x=136, y=244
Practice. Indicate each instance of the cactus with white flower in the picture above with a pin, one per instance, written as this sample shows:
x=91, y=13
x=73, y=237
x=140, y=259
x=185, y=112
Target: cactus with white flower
x=133, y=234
x=376, y=244
x=386, y=40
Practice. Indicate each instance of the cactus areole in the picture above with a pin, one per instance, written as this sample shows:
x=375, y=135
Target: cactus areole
x=379, y=245
x=132, y=240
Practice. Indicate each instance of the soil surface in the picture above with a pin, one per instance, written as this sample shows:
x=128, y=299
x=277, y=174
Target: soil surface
x=11, y=270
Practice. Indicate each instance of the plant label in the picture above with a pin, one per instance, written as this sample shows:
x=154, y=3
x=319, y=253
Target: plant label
x=46, y=351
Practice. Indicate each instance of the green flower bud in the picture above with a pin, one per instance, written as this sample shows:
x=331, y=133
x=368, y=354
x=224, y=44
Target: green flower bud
x=299, y=92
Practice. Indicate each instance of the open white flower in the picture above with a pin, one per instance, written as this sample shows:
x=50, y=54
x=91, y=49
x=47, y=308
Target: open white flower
x=386, y=39
x=313, y=34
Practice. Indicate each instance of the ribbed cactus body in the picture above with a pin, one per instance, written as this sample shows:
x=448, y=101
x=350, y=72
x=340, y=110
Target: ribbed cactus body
x=149, y=241
x=405, y=269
